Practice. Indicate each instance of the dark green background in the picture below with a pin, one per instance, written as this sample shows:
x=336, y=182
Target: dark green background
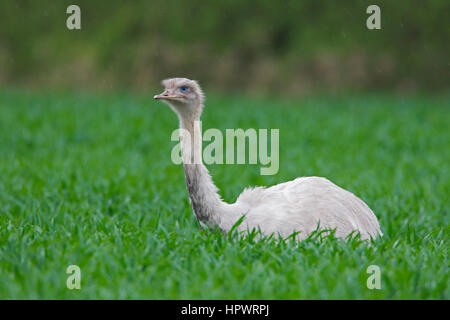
x=258, y=46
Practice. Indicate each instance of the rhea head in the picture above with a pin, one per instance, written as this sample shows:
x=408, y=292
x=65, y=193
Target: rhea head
x=184, y=96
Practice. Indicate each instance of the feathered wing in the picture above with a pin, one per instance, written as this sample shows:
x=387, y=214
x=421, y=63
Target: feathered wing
x=301, y=204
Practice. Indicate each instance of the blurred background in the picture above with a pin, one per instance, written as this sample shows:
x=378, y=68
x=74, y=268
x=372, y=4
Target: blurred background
x=86, y=176
x=282, y=47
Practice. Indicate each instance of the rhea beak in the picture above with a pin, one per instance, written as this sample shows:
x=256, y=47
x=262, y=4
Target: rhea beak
x=159, y=96
x=165, y=96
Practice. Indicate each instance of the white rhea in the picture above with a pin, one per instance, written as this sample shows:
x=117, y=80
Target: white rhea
x=300, y=205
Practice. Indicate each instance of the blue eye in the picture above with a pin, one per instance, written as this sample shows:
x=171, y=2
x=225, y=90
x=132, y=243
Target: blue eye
x=183, y=89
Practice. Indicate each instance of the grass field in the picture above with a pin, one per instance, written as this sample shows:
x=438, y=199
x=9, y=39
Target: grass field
x=87, y=180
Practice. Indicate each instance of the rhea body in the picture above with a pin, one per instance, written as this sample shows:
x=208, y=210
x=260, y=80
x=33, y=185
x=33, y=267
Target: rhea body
x=301, y=205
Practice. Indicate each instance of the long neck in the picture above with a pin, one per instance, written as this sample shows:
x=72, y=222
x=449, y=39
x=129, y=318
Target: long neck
x=205, y=201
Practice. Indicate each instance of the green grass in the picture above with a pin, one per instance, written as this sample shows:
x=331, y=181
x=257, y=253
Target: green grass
x=87, y=180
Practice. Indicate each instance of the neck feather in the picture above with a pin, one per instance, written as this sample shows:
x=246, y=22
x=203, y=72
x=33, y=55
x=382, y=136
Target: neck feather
x=205, y=200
